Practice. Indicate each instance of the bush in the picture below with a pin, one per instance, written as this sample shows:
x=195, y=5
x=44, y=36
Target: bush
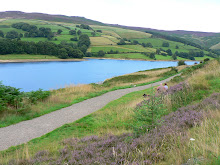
x=181, y=62
x=206, y=59
x=10, y=96
x=38, y=95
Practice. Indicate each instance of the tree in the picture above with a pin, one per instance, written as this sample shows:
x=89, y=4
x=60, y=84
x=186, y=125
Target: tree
x=12, y=34
x=152, y=56
x=62, y=53
x=59, y=31
x=177, y=47
x=121, y=42
x=79, y=32
x=101, y=53
x=174, y=57
x=1, y=34
x=181, y=62
x=93, y=34
x=135, y=42
x=74, y=39
x=149, y=45
x=84, y=40
x=157, y=51
x=72, y=32
x=169, y=52
x=165, y=44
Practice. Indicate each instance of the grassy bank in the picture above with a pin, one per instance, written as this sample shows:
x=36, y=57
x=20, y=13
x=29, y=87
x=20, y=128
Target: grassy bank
x=117, y=118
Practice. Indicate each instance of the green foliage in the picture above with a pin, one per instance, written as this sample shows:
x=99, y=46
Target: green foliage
x=177, y=79
x=125, y=79
x=101, y=53
x=171, y=72
x=12, y=35
x=147, y=114
x=121, y=42
x=165, y=44
x=39, y=95
x=10, y=96
x=206, y=59
x=1, y=34
x=181, y=62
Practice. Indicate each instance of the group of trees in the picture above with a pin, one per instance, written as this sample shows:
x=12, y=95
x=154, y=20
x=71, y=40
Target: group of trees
x=74, y=32
x=150, y=55
x=83, y=26
x=63, y=50
x=33, y=31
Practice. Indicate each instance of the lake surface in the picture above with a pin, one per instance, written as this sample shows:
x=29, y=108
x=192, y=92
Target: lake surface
x=53, y=75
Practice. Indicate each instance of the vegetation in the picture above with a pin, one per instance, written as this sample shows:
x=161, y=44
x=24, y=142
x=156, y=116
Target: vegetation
x=186, y=119
x=64, y=97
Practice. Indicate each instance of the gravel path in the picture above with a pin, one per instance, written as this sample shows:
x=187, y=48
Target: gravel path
x=25, y=131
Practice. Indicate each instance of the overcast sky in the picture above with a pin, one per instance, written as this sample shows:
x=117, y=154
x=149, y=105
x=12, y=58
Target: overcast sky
x=193, y=15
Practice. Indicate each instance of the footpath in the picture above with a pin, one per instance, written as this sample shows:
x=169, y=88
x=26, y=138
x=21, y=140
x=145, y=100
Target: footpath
x=27, y=130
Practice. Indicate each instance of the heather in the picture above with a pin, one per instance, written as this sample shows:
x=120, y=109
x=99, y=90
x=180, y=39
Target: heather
x=149, y=148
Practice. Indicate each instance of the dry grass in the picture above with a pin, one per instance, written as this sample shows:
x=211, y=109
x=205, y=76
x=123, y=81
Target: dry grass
x=199, y=79
x=98, y=41
x=110, y=33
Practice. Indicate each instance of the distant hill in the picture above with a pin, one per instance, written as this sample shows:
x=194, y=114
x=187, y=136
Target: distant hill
x=48, y=17
x=205, y=39
x=108, y=41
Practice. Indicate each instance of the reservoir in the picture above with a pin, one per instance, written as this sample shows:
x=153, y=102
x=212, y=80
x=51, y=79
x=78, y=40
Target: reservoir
x=53, y=75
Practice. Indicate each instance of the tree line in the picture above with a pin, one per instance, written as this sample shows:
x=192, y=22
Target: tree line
x=63, y=50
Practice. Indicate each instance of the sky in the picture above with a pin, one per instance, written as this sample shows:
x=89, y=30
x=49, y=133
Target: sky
x=190, y=15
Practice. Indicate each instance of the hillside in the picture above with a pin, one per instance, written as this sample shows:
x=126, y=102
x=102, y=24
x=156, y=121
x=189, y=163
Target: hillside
x=105, y=41
x=48, y=17
x=205, y=39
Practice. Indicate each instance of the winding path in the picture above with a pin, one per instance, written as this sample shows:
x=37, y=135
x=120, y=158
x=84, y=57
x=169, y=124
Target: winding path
x=25, y=131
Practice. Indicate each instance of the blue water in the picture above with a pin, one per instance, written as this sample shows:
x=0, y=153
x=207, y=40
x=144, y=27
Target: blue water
x=53, y=75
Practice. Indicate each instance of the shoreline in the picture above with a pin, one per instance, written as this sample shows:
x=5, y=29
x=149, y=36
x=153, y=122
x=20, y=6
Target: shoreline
x=135, y=59
x=38, y=60
x=83, y=59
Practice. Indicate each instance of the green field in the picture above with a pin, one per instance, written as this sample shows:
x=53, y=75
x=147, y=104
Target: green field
x=123, y=33
x=108, y=48
x=138, y=48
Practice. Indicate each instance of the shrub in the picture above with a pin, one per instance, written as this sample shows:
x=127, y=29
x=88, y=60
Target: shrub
x=10, y=96
x=206, y=59
x=181, y=62
x=38, y=95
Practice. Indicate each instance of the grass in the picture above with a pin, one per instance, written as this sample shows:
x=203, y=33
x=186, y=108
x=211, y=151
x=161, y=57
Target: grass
x=108, y=48
x=128, y=56
x=123, y=33
x=217, y=46
x=97, y=41
x=139, y=48
x=25, y=56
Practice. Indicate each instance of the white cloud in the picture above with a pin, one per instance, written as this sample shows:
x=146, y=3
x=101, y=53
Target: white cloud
x=195, y=15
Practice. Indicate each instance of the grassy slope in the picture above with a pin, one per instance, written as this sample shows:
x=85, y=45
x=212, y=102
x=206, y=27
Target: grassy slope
x=115, y=118
x=106, y=40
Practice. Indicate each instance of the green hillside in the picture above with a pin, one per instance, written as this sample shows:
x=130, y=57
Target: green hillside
x=105, y=41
